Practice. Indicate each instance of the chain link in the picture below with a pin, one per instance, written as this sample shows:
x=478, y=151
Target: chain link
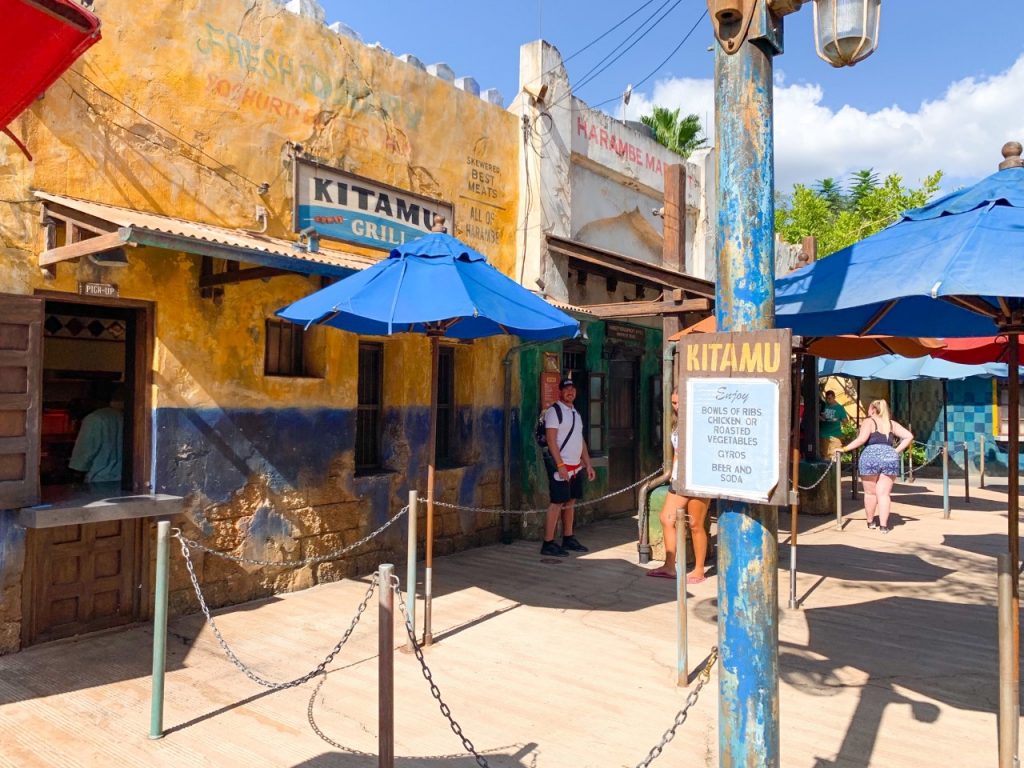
x=681, y=716
x=246, y=670
x=428, y=676
x=579, y=504
x=335, y=555
x=821, y=479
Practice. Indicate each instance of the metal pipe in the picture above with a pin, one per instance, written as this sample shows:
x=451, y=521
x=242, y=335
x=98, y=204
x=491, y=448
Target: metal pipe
x=1009, y=696
x=967, y=475
x=839, y=490
x=156, y=710
x=981, y=461
x=386, y=668
x=1013, y=489
x=410, y=567
x=682, y=661
x=903, y=468
x=643, y=511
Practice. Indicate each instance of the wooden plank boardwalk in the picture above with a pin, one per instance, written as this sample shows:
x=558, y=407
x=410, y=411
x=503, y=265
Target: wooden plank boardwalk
x=889, y=662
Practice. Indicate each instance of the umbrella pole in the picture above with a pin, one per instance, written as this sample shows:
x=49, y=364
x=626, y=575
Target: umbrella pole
x=1013, y=522
x=794, y=506
x=428, y=582
x=945, y=452
x=854, y=469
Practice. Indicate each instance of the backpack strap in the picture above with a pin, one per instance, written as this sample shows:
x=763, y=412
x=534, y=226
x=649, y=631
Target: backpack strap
x=569, y=433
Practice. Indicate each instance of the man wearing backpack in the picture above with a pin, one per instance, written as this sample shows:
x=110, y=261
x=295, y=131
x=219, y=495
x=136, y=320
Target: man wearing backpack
x=569, y=459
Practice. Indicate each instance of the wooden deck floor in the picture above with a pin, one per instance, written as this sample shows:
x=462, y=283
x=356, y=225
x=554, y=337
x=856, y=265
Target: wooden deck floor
x=889, y=662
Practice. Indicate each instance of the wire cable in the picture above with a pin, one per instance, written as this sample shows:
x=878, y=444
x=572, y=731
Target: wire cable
x=665, y=61
x=616, y=54
x=154, y=123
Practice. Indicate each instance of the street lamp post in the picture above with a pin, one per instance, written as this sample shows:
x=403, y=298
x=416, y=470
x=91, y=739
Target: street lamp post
x=750, y=36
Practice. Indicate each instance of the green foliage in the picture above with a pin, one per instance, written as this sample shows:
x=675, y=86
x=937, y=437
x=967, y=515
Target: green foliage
x=682, y=136
x=838, y=218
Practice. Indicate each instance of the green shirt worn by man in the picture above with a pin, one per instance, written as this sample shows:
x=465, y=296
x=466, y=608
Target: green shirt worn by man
x=832, y=417
x=99, y=447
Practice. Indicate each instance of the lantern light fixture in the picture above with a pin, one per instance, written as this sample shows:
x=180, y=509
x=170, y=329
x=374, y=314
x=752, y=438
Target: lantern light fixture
x=846, y=31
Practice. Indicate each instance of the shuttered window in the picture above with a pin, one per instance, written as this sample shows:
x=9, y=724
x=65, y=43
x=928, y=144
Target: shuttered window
x=21, y=358
x=369, y=408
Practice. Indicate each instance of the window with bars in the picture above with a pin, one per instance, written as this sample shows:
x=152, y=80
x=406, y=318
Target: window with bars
x=445, y=440
x=368, y=410
x=286, y=351
x=589, y=393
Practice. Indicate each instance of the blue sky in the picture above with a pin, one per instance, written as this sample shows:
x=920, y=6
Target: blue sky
x=942, y=91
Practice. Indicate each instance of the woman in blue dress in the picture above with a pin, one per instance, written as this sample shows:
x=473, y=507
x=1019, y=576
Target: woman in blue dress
x=883, y=440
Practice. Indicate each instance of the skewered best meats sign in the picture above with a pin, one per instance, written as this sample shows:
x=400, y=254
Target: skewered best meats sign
x=734, y=408
x=346, y=207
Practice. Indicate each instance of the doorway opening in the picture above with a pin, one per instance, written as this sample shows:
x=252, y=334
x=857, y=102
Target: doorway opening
x=90, y=353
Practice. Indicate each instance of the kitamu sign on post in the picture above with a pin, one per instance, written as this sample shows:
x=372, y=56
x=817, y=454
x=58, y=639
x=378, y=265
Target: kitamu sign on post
x=734, y=403
x=346, y=207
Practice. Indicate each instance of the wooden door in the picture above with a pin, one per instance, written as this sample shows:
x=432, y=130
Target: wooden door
x=21, y=358
x=82, y=579
x=623, y=451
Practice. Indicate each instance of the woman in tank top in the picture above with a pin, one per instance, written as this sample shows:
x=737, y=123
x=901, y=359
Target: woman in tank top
x=696, y=512
x=883, y=440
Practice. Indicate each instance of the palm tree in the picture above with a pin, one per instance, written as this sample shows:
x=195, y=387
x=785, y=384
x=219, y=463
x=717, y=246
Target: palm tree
x=862, y=183
x=681, y=136
x=832, y=193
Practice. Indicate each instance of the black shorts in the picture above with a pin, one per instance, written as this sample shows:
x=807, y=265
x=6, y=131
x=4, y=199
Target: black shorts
x=561, y=491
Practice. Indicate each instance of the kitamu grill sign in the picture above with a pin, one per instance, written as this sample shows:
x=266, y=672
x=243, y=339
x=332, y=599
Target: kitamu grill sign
x=734, y=405
x=346, y=207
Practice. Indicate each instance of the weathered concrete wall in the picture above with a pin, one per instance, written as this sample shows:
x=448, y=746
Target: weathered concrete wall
x=185, y=111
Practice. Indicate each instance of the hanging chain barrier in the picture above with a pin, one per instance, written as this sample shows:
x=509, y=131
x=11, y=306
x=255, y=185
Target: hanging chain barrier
x=335, y=555
x=926, y=446
x=233, y=657
x=579, y=504
x=820, y=480
x=429, y=677
x=691, y=699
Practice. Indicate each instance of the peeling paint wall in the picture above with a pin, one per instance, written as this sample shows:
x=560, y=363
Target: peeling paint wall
x=186, y=110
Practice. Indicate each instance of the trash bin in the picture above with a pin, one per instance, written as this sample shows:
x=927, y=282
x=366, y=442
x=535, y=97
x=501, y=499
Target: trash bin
x=821, y=499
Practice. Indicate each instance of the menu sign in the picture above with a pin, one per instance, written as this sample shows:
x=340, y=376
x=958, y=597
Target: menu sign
x=734, y=391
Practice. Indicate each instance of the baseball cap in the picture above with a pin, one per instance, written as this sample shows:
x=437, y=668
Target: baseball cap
x=566, y=382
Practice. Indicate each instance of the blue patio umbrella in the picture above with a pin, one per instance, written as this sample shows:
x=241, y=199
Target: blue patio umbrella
x=897, y=368
x=952, y=268
x=438, y=286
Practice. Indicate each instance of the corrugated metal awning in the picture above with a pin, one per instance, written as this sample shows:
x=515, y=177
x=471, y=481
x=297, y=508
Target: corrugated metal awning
x=115, y=226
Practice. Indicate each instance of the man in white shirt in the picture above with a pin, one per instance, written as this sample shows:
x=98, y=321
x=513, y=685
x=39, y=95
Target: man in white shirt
x=570, y=458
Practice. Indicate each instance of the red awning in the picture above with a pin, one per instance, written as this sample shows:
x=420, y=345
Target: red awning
x=39, y=40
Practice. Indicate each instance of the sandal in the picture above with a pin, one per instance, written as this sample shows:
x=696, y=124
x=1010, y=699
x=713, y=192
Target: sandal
x=657, y=573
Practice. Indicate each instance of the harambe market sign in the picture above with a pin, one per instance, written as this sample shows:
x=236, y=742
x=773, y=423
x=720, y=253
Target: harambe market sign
x=342, y=206
x=734, y=404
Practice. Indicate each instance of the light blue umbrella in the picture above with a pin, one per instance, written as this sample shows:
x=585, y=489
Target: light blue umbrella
x=897, y=368
x=438, y=286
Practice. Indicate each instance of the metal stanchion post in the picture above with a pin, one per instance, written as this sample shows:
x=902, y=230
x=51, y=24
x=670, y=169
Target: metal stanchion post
x=163, y=546
x=386, y=668
x=910, y=462
x=981, y=461
x=945, y=480
x=410, y=569
x=903, y=468
x=1009, y=709
x=839, y=489
x=682, y=663
x=967, y=475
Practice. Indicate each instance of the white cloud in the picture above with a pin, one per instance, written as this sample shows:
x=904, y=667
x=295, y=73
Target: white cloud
x=960, y=133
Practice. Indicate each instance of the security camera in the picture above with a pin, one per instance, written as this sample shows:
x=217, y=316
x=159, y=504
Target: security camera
x=308, y=232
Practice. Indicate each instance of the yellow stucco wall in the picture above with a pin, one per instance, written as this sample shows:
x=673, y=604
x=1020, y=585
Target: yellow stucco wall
x=184, y=110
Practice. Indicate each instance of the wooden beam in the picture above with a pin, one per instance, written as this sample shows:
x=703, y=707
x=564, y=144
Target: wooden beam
x=241, y=275
x=647, y=308
x=86, y=247
x=673, y=250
